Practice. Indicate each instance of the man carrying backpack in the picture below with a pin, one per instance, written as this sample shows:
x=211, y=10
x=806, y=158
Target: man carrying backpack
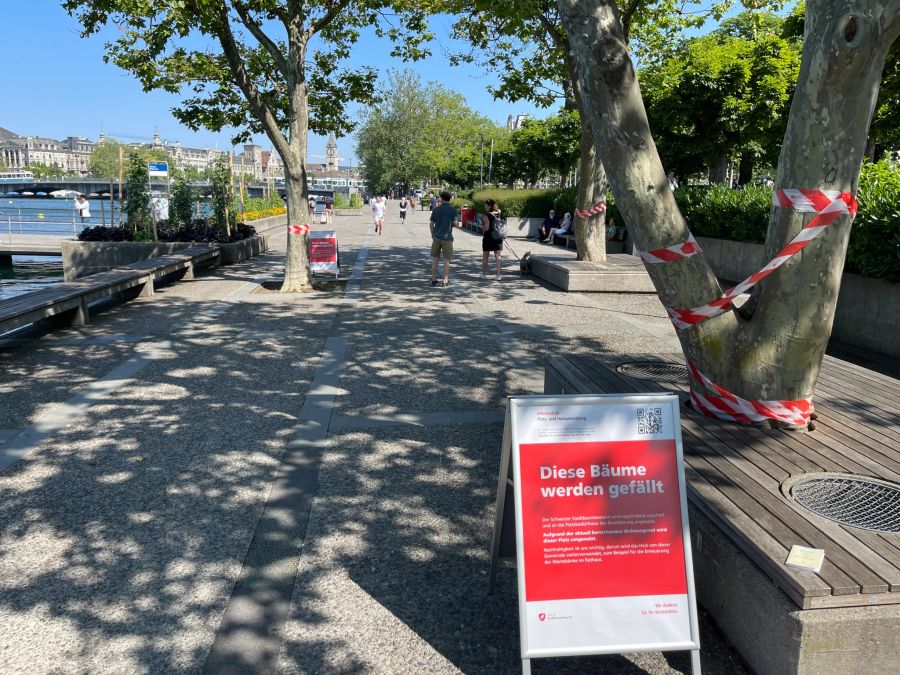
x=443, y=220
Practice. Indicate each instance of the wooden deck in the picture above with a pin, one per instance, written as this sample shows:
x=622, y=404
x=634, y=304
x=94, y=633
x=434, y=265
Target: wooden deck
x=34, y=244
x=735, y=475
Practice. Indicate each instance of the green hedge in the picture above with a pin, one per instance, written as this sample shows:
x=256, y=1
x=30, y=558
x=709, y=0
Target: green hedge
x=874, y=249
x=523, y=203
x=743, y=215
x=718, y=211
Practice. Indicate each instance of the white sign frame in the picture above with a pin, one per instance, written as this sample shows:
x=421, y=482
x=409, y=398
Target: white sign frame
x=512, y=435
x=320, y=266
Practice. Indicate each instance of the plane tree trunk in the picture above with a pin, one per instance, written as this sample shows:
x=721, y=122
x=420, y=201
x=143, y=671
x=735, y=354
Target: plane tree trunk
x=296, y=271
x=772, y=349
x=590, y=233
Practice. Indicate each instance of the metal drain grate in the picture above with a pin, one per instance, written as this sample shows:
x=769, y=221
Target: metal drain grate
x=852, y=500
x=658, y=371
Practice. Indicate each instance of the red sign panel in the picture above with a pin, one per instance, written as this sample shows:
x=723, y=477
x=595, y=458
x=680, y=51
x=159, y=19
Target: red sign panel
x=323, y=251
x=601, y=520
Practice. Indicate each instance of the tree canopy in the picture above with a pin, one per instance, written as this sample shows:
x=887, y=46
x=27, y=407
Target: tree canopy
x=723, y=95
x=421, y=132
x=274, y=67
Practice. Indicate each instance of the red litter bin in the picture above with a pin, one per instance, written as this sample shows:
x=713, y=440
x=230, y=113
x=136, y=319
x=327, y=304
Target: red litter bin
x=466, y=214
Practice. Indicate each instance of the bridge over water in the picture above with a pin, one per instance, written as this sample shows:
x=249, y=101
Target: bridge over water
x=102, y=188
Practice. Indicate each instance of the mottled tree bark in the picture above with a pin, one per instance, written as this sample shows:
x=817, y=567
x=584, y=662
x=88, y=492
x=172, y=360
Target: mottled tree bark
x=296, y=271
x=772, y=349
x=718, y=171
x=590, y=233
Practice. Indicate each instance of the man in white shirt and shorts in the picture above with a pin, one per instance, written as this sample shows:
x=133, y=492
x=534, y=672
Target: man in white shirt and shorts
x=378, y=209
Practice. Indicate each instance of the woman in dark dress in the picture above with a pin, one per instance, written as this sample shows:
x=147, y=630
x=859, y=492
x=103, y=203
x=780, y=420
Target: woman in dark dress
x=488, y=243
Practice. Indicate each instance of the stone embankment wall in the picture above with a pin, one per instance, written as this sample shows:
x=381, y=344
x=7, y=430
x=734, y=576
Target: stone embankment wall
x=868, y=310
x=81, y=258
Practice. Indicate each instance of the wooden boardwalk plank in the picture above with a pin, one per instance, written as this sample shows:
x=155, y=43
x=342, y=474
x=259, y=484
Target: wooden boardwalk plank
x=744, y=457
x=29, y=307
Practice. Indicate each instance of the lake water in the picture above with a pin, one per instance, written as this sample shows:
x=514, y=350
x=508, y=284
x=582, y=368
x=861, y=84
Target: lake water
x=46, y=216
x=30, y=273
x=29, y=215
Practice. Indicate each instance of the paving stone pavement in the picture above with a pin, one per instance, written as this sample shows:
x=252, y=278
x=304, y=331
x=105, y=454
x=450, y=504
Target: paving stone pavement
x=295, y=483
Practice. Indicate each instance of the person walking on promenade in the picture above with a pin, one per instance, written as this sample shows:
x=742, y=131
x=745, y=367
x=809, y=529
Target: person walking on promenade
x=378, y=214
x=443, y=220
x=433, y=204
x=489, y=243
x=83, y=207
x=404, y=202
x=329, y=210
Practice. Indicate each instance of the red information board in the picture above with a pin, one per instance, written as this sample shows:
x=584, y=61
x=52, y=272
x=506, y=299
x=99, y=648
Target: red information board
x=602, y=540
x=323, y=251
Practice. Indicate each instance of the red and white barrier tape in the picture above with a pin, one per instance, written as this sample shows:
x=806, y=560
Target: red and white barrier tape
x=299, y=229
x=827, y=204
x=722, y=404
x=672, y=253
x=593, y=211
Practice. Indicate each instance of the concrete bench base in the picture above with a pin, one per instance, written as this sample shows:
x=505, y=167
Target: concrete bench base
x=765, y=626
x=619, y=274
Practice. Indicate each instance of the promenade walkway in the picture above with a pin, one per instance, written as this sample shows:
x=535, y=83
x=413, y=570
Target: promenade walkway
x=226, y=479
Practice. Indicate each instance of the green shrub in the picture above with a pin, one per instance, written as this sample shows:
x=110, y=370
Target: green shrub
x=564, y=200
x=340, y=201
x=516, y=203
x=181, y=207
x=355, y=201
x=718, y=211
x=273, y=201
x=743, y=215
x=874, y=249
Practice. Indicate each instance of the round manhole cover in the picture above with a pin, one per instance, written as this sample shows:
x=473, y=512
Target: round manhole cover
x=658, y=371
x=851, y=500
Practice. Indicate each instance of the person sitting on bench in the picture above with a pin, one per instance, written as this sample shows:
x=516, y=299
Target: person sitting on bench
x=565, y=228
x=551, y=221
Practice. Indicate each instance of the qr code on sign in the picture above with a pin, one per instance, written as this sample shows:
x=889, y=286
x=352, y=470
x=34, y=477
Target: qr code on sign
x=649, y=420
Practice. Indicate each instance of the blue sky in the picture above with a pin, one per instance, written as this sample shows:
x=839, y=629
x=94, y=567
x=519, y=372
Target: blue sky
x=56, y=84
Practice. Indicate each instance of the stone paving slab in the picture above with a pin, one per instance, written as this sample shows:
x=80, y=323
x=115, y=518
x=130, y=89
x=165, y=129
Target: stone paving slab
x=33, y=381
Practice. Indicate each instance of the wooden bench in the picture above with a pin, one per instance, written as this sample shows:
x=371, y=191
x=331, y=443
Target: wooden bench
x=69, y=302
x=736, y=475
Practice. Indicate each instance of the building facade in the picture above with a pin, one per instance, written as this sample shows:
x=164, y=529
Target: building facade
x=72, y=155
x=183, y=158
x=261, y=164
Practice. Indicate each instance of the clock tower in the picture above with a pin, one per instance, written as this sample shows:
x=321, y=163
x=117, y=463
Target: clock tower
x=331, y=154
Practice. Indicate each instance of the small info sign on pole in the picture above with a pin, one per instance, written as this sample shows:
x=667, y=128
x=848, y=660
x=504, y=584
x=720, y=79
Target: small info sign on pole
x=158, y=169
x=601, y=532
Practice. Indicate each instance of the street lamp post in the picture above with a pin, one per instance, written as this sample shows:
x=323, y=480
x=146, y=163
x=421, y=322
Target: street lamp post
x=482, y=160
x=491, y=163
